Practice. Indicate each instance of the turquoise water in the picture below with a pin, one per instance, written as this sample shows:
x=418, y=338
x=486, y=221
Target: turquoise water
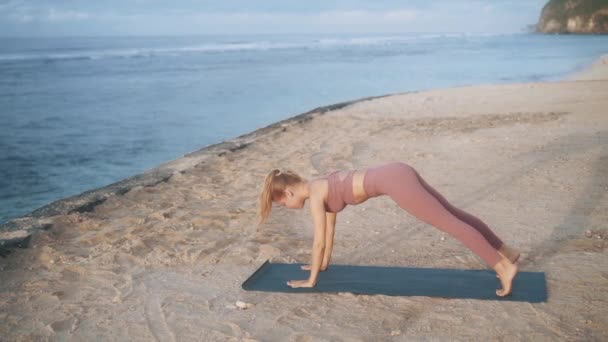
x=81, y=113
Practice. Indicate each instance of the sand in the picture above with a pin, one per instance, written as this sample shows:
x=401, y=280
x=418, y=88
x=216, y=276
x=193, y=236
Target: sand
x=161, y=256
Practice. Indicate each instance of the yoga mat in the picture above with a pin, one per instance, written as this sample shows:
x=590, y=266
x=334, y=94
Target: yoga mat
x=399, y=281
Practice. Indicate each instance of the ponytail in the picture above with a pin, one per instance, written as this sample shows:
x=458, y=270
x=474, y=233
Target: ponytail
x=275, y=184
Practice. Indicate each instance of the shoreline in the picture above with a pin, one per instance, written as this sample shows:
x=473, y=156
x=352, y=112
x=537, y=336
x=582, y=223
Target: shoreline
x=166, y=261
x=17, y=231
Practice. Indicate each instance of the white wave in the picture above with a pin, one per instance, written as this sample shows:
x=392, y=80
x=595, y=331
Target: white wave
x=322, y=43
x=148, y=52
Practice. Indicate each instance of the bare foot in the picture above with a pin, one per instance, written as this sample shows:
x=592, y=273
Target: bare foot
x=510, y=253
x=506, y=272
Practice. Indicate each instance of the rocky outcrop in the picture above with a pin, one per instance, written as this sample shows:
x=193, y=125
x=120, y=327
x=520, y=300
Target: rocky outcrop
x=574, y=16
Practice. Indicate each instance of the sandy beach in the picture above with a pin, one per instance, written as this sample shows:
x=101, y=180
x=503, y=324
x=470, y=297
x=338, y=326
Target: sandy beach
x=162, y=256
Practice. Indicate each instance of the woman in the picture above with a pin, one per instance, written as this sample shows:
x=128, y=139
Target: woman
x=330, y=194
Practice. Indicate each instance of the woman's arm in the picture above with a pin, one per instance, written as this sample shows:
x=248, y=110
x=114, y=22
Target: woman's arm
x=330, y=225
x=330, y=228
x=318, y=212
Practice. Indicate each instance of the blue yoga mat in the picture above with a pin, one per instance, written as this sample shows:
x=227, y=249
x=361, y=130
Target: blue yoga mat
x=399, y=281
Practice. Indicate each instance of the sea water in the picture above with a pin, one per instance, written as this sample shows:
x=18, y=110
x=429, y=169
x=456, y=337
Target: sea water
x=81, y=113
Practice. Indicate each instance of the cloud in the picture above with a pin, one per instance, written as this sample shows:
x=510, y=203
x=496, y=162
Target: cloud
x=151, y=17
x=21, y=12
x=23, y=18
x=175, y=22
x=66, y=15
x=355, y=16
x=402, y=15
x=10, y=4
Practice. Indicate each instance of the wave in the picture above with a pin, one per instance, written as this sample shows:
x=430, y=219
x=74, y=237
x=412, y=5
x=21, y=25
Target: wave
x=322, y=43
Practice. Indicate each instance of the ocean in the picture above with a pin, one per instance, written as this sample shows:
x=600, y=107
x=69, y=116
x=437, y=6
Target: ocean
x=81, y=113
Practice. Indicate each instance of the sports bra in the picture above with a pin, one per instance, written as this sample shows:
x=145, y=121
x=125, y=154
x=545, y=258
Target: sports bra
x=340, y=191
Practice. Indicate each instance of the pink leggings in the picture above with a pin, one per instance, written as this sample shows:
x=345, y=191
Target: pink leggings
x=407, y=188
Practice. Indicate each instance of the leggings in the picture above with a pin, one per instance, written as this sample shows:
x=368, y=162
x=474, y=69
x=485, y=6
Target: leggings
x=408, y=189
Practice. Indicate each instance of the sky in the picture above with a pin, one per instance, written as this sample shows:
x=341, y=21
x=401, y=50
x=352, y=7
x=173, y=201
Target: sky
x=190, y=17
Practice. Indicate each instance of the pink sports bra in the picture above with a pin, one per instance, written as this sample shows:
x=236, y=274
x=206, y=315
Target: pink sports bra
x=340, y=191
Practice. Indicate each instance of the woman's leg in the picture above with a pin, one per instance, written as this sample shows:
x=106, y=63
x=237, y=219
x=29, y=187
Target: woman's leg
x=409, y=193
x=463, y=215
x=403, y=184
x=503, y=249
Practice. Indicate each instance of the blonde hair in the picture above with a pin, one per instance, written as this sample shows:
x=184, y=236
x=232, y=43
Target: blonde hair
x=274, y=185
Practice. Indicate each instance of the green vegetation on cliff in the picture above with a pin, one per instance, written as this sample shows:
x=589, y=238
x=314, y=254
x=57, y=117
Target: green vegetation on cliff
x=574, y=16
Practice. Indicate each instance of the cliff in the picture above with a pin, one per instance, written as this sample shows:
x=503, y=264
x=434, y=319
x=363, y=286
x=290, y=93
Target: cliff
x=574, y=16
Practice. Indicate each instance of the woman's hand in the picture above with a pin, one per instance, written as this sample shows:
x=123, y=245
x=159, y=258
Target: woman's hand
x=308, y=267
x=300, y=283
